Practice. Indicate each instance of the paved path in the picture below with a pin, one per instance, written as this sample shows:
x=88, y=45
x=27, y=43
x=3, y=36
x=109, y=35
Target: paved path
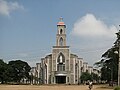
x=50, y=87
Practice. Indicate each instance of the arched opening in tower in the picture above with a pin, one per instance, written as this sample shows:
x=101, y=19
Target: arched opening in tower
x=61, y=41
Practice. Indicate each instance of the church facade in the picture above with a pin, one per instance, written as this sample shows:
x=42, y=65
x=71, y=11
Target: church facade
x=61, y=66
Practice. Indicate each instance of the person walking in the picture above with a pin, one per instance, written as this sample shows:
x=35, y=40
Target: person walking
x=90, y=85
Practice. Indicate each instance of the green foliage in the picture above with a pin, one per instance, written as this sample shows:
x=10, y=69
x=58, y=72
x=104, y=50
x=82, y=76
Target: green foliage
x=85, y=76
x=109, y=62
x=19, y=70
x=110, y=65
x=3, y=67
x=14, y=71
x=117, y=88
x=94, y=76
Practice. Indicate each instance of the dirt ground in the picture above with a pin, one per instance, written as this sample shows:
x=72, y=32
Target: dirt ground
x=51, y=87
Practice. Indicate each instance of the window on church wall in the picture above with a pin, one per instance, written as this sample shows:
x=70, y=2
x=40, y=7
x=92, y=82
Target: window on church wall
x=61, y=41
x=61, y=62
x=60, y=67
x=61, y=58
x=45, y=71
x=53, y=79
x=67, y=64
x=76, y=69
x=67, y=79
x=61, y=31
x=63, y=67
x=80, y=63
x=71, y=67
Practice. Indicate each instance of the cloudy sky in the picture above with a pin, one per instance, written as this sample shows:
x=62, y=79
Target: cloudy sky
x=28, y=27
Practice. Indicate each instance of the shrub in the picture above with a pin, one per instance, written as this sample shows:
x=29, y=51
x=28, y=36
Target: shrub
x=117, y=88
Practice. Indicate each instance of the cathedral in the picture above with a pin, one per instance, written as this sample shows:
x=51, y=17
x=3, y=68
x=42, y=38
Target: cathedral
x=61, y=66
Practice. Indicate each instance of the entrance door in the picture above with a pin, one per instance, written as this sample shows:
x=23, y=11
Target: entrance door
x=60, y=79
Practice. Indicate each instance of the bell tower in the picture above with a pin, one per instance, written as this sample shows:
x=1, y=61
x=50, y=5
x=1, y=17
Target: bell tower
x=61, y=34
x=60, y=56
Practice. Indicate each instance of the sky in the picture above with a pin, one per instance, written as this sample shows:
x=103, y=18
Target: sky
x=28, y=28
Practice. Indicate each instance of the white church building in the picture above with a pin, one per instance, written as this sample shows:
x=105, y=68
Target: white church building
x=61, y=66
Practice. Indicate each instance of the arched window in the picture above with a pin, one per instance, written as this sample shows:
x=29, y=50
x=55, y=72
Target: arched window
x=61, y=31
x=46, y=72
x=61, y=41
x=61, y=58
x=61, y=62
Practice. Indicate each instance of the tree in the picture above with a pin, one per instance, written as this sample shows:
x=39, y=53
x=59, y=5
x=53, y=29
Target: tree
x=109, y=62
x=18, y=70
x=109, y=65
x=85, y=77
x=94, y=76
x=3, y=67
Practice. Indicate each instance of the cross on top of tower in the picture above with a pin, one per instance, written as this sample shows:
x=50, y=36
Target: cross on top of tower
x=61, y=22
x=61, y=19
